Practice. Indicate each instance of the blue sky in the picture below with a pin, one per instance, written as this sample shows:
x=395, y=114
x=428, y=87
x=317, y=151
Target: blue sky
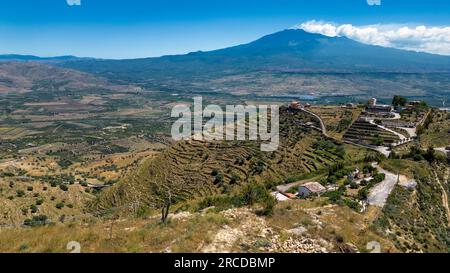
x=129, y=29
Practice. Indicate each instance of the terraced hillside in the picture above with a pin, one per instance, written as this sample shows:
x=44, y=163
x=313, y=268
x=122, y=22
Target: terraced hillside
x=193, y=169
x=367, y=133
x=337, y=119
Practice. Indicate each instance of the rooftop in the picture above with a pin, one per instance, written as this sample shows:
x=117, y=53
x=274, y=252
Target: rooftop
x=314, y=187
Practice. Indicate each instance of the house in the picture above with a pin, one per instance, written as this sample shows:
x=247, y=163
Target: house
x=375, y=108
x=279, y=196
x=309, y=188
x=379, y=108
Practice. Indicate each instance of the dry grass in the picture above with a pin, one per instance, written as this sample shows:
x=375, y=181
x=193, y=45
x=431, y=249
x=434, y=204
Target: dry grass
x=128, y=235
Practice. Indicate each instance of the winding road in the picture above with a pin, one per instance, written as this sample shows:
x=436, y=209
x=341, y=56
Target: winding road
x=379, y=194
x=322, y=124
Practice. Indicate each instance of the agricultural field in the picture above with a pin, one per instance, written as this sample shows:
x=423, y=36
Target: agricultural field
x=337, y=119
x=75, y=165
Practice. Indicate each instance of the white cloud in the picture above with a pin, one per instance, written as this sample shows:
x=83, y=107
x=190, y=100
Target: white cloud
x=74, y=2
x=418, y=38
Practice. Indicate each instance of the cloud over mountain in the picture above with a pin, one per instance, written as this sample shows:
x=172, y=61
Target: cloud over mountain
x=418, y=38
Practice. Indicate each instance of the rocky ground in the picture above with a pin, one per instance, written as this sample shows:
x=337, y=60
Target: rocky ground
x=254, y=232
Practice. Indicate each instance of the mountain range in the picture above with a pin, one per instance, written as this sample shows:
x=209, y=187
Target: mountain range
x=288, y=50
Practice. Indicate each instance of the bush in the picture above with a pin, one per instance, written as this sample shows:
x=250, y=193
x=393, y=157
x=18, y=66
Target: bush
x=378, y=178
x=63, y=187
x=60, y=205
x=363, y=193
x=218, y=179
x=258, y=167
x=268, y=204
x=215, y=172
x=20, y=193
x=234, y=179
x=339, y=239
x=251, y=194
x=33, y=208
x=40, y=220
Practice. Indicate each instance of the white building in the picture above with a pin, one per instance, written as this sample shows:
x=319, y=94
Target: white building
x=309, y=188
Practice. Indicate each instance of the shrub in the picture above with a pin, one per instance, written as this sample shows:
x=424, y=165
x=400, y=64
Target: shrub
x=269, y=203
x=63, y=187
x=20, y=193
x=234, y=179
x=250, y=194
x=33, y=208
x=218, y=179
x=339, y=239
x=378, y=178
x=363, y=193
x=40, y=220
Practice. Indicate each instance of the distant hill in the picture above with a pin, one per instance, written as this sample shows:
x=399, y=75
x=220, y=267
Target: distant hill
x=18, y=77
x=288, y=50
x=26, y=58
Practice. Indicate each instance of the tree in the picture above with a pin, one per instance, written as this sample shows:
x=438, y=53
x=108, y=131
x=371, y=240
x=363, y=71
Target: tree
x=430, y=154
x=363, y=193
x=162, y=192
x=399, y=101
x=166, y=207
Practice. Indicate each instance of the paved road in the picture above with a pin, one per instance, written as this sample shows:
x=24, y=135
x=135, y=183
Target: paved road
x=400, y=136
x=379, y=194
x=322, y=124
